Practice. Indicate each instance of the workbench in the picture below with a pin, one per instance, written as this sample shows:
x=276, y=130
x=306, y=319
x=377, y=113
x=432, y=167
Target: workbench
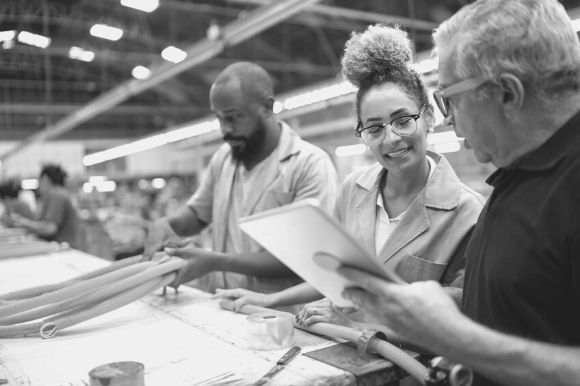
x=181, y=338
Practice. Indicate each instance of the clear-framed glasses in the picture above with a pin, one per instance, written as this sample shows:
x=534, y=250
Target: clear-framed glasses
x=404, y=125
x=442, y=97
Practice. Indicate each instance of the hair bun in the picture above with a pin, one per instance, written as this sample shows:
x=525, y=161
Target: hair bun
x=378, y=50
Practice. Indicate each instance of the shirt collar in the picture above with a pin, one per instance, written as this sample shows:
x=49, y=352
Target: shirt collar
x=549, y=154
x=554, y=149
x=442, y=191
x=289, y=143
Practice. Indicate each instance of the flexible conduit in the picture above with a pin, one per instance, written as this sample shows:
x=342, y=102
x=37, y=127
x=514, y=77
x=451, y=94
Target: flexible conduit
x=82, y=298
x=382, y=347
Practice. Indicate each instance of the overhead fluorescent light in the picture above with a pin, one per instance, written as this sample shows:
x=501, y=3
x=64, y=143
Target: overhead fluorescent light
x=278, y=107
x=148, y=143
x=29, y=184
x=173, y=54
x=7, y=35
x=78, y=53
x=141, y=72
x=141, y=5
x=318, y=95
x=576, y=25
x=350, y=150
x=193, y=130
x=158, y=183
x=35, y=40
x=104, y=31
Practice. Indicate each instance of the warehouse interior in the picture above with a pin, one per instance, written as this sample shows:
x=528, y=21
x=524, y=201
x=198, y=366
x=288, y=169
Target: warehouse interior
x=128, y=115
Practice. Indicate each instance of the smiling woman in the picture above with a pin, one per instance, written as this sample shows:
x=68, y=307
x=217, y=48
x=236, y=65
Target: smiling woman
x=409, y=210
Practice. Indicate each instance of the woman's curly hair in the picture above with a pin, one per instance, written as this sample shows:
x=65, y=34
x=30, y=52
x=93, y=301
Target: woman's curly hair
x=381, y=55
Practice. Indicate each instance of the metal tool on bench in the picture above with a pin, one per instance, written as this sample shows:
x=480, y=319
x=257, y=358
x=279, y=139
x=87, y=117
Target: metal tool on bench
x=283, y=361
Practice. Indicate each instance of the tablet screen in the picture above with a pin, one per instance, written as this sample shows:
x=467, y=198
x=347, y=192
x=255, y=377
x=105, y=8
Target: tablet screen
x=297, y=232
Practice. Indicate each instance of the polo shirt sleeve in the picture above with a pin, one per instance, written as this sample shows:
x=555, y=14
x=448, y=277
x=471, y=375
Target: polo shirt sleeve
x=319, y=181
x=202, y=200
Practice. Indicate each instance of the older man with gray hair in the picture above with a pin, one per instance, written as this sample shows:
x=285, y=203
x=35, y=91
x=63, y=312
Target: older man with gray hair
x=509, y=81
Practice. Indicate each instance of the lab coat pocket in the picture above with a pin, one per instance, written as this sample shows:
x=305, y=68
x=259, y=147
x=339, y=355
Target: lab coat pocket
x=414, y=268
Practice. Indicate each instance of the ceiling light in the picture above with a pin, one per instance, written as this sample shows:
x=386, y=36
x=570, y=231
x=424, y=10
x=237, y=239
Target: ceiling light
x=7, y=35
x=78, y=53
x=29, y=184
x=173, y=54
x=278, y=107
x=141, y=72
x=141, y=5
x=148, y=143
x=35, y=40
x=192, y=130
x=158, y=183
x=318, y=95
x=124, y=150
x=104, y=31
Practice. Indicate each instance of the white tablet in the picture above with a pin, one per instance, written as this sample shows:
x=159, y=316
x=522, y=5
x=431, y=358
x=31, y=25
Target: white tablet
x=297, y=232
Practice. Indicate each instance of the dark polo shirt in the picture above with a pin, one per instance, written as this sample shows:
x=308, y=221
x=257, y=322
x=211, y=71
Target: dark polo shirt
x=523, y=260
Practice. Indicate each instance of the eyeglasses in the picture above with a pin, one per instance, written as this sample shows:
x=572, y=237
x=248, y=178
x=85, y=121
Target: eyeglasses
x=402, y=126
x=442, y=97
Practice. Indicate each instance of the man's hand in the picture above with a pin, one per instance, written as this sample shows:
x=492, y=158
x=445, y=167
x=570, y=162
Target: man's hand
x=419, y=311
x=198, y=262
x=323, y=311
x=242, y=297
x=159, y=234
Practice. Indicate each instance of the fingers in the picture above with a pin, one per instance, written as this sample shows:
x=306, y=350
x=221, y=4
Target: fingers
x=311, y=314
x=240, y=302
x=177, y=243
x=187, y=252
x=367, y=301
x=183, y=276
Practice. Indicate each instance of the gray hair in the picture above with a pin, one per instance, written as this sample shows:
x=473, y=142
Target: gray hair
x=531, y=39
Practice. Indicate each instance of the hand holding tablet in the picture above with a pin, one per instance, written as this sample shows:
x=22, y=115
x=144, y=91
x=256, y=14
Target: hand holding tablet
x=313, y=244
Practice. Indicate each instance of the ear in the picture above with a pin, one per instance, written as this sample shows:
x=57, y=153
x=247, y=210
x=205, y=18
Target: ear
x=512, y=93
x=268, y=106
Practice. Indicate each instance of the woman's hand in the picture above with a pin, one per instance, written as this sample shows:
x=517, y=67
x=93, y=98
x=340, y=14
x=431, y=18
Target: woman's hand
x=322, y=311
x=242, y=297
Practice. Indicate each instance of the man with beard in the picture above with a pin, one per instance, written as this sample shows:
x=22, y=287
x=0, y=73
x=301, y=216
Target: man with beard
x=263, y=164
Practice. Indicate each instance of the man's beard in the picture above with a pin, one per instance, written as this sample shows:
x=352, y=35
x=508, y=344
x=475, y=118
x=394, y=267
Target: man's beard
x=250, y=146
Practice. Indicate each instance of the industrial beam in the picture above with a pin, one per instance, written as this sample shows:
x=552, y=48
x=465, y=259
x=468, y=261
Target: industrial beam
x=355, y=14
x=62, y=109
x=242, y=29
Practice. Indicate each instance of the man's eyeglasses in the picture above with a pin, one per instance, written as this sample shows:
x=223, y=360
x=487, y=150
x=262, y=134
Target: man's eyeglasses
x=402, y=126
x=442, y=97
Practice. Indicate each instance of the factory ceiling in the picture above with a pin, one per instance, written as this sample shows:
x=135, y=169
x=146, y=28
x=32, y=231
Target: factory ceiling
x=40, y=87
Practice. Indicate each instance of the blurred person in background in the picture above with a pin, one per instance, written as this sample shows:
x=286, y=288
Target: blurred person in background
x=409, y=209
x=9, y=191
x=56, y=218
x=509, y=81
x=264, y=164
